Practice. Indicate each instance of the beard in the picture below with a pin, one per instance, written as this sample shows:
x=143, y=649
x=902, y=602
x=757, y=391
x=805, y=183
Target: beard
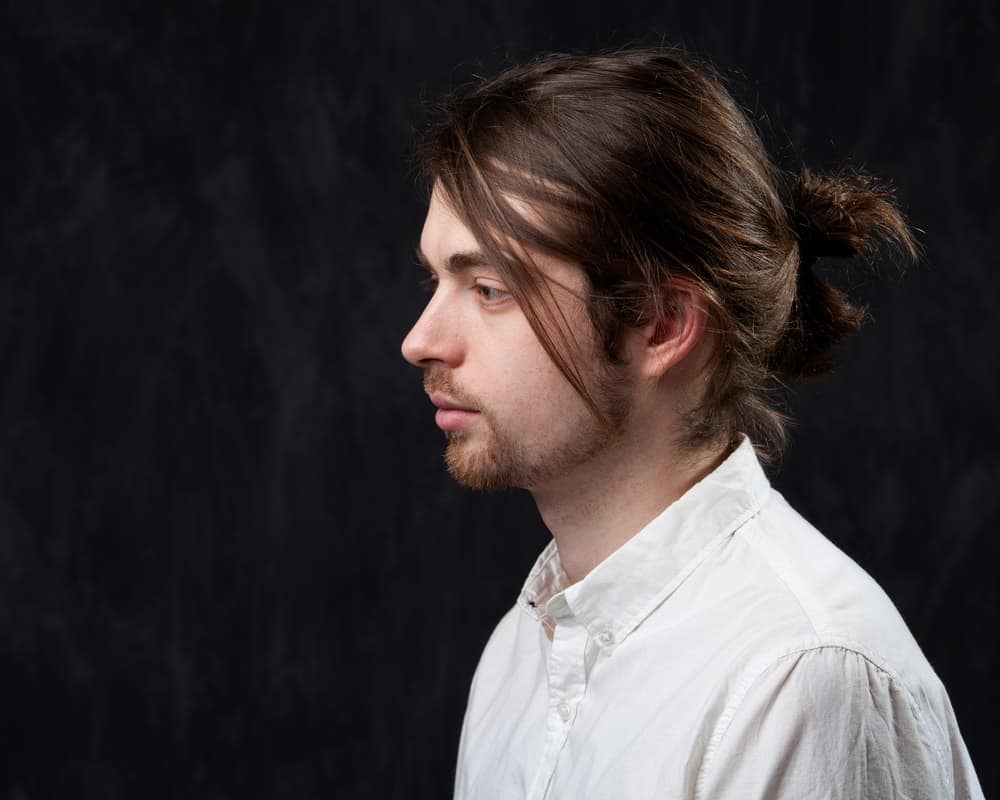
x=494, y=459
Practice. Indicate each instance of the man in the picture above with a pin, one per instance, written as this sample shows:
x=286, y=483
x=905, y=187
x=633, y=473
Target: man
x=621, y=278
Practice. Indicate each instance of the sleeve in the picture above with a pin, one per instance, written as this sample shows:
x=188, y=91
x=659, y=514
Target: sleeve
x=827, y=723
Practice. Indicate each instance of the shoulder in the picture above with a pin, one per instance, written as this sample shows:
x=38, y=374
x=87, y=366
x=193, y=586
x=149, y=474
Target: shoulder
x=836, y=601
x=827, y=721
x=830, y=684
x=778, y=586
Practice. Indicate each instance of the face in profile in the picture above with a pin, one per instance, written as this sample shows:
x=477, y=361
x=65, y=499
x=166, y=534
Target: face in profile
x=511, y=418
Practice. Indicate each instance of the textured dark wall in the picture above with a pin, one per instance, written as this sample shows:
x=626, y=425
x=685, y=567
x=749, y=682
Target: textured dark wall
x=231, y=564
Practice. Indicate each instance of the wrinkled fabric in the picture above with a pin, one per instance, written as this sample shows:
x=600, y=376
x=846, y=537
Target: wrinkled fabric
x=727, y=650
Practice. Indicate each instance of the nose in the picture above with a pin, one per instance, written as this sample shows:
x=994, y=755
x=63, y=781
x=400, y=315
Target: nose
x=433, y=339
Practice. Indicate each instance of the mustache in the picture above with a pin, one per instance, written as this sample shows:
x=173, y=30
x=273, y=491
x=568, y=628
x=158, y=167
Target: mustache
x=436, y=380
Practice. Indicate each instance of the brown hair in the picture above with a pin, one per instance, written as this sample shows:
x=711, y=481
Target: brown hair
x=643, y=168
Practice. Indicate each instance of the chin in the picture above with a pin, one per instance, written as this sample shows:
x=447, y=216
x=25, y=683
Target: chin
x=483, y=467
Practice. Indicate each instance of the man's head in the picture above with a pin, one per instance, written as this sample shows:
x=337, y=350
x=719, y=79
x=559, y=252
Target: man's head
x=511, y=416
x=621, y=201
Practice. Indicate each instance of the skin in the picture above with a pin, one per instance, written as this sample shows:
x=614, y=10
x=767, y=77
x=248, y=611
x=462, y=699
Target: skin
x=528, y=428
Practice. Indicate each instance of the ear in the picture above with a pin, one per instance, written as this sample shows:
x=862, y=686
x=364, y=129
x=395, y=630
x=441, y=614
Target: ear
x=663, y=343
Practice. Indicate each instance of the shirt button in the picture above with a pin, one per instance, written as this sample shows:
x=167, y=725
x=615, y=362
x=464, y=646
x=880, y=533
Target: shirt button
x=606, y=637
x=564, y=711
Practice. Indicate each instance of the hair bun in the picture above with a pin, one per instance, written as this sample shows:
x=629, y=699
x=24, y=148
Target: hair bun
x=843, y=215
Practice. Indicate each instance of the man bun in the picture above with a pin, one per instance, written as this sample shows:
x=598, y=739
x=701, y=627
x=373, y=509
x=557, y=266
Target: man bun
x=844, y=216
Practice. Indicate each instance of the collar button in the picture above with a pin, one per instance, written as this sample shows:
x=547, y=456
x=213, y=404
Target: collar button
x=606, y=638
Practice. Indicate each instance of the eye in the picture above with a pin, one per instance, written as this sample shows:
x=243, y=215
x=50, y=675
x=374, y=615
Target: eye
x=491, y=295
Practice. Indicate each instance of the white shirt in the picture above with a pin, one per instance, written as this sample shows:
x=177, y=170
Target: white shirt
x=727, y=650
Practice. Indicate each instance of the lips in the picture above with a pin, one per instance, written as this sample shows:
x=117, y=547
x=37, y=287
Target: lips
x=452, y=416
x=445, y=404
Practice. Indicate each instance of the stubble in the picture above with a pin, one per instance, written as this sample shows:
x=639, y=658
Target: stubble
x=493, y=459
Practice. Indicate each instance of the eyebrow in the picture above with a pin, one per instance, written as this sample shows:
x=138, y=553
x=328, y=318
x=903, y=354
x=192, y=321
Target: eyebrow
x=457, y=262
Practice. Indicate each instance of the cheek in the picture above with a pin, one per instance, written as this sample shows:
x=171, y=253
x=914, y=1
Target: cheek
x=535, y=396
x=526, y=391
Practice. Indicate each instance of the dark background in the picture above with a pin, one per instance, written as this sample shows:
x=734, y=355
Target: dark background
x=231, y=563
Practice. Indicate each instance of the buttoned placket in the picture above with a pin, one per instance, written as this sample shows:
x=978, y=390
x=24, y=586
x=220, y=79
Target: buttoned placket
x=567, y=677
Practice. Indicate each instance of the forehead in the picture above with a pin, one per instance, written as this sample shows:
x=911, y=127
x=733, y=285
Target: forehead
x=444, y=235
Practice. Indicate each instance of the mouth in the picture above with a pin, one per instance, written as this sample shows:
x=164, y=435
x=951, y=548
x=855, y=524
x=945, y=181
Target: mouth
x=452, y=416
x=446, y=404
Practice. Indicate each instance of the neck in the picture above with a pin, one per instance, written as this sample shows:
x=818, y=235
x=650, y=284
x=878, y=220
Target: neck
x=602, y=504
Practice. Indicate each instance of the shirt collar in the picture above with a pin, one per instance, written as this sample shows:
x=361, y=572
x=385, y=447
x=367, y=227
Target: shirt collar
x=621, y=591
